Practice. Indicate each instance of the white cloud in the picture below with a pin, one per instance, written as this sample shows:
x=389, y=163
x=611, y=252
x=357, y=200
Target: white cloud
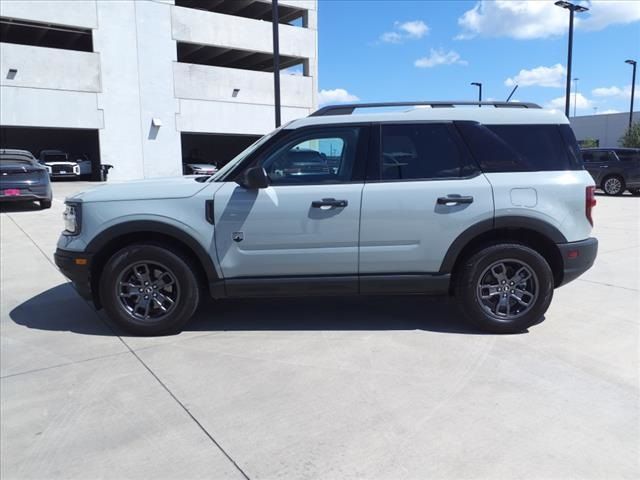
x=337, y=95
x=582, y=102
x=624, y=92
x=439, y=57
x=554, y=76
x=412, y=30
x=527, y=19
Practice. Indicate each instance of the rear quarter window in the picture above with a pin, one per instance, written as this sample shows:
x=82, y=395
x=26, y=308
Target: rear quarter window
x=522, y=148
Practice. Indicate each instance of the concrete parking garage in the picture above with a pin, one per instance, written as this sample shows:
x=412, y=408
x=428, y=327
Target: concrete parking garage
x=384, y=387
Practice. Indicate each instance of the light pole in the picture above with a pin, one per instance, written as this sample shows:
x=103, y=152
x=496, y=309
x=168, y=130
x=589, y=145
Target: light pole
x=276, y=59
x=575, y=95
x=633, y=89
x=479, y=85
x=572, y=9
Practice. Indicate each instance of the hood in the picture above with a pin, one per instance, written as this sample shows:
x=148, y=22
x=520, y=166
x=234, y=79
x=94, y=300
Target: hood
x=152, y=189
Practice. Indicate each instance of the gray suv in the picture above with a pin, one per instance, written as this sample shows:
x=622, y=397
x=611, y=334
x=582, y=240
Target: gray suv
x=491, y=205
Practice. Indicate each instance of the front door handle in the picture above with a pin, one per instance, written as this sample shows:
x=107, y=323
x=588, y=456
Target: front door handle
x=329, y=202
x=455, y=199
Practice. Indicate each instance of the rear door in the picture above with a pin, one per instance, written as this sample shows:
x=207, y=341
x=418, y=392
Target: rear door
x=306, y=223
x=424, y=192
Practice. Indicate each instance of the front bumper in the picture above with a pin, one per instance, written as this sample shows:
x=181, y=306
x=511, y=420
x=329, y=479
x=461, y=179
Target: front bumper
x=76, y=266
x=577, y=258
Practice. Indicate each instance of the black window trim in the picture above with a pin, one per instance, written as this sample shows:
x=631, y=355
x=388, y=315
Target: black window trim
x=374, y=168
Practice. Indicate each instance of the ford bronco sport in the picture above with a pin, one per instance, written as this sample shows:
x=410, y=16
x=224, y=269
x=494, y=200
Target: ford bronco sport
x=491, y=205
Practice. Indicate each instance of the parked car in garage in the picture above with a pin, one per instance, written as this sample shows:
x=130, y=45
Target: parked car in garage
x=614, y=169
x=23, y=179
x=199, y=168
x=59, y=166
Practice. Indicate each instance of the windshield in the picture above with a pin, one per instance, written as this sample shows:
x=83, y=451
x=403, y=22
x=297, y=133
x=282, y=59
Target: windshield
x=242, y=155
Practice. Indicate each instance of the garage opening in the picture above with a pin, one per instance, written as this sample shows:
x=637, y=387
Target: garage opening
x=23, y=32
x=56, y=145
x=236, y=58
x=211, y=149
x=257, y=9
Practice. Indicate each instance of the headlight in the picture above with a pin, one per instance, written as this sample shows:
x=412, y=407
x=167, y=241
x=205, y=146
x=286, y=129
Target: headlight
x=71, y=218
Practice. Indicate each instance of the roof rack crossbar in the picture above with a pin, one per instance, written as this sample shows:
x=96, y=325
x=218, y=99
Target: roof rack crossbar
x=348, y=109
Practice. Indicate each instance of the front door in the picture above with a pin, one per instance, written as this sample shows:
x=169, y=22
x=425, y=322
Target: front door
x=306, y=223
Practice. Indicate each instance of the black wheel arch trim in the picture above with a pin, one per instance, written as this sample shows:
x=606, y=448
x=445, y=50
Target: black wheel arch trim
x=140, y=226
x=502, y=222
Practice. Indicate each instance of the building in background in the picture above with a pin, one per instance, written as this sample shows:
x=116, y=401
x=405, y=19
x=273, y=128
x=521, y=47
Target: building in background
x=606, y=129
x=144, y=85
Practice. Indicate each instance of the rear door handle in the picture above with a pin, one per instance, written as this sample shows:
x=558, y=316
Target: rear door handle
x=329, y=202
x=455, y=199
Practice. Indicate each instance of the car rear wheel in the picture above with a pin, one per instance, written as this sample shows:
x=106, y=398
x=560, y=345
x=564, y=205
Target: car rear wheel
x=504, y=288
x=149, y=290
x=44, y=204
x=613, y=185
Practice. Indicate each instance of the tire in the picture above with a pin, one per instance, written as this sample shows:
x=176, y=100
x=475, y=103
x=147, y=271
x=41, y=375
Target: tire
x=124, y=276
x=613, y=185
x=634, y=191
x=477, y=270
x=44, y=204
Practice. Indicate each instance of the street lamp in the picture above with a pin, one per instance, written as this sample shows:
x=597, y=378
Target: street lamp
x=633, y=89
x=575, y=95
x=479, y=85
x=572, y=9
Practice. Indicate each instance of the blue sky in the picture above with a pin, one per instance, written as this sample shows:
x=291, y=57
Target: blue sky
x=385, y=50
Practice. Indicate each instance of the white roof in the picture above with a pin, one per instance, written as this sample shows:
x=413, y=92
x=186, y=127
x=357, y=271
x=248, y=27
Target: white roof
x=487, y=115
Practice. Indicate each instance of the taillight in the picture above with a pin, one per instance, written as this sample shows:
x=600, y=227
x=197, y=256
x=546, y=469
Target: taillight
x=590, y=202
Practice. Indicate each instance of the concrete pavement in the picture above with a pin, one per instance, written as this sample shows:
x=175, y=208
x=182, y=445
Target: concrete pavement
x=340, y=388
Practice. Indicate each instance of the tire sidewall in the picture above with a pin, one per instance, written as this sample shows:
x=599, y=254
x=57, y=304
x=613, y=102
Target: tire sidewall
x=179, y=266
x=475, y=266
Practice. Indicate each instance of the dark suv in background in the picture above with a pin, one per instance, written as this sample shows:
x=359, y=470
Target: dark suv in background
x=614, y=169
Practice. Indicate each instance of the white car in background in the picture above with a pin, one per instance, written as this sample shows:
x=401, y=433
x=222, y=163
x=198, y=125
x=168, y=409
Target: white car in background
x=58, y=164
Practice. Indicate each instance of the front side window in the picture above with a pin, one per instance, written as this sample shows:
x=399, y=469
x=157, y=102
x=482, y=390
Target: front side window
x=419, y=151
x=317, y=157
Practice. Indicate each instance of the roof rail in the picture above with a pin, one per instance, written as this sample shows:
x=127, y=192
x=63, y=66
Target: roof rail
x=347, y=109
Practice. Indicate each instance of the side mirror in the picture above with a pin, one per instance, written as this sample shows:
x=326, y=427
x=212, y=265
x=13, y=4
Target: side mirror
x=254, y=178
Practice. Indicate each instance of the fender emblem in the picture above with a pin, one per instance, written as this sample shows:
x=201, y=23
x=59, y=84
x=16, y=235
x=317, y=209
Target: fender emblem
x=237, y=236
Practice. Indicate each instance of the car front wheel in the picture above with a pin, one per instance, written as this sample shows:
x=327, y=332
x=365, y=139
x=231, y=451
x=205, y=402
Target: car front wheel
x=149, y=290
x=504, y=288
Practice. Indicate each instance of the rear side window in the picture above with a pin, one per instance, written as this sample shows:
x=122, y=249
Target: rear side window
x=421, y=151
x=522, y=148
x=597, y=156
x=629, y=156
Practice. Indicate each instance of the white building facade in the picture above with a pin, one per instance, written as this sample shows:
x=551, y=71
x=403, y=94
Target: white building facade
x=606, y=129
x=144, y=73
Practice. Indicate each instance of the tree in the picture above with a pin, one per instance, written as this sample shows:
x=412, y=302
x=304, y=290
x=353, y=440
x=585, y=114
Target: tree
x=631, y=138
x=589, y=143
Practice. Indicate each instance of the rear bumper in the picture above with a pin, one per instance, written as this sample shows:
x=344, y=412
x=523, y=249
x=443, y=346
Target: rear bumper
x=78, y=273
x=577, y=258
x=28, y=192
